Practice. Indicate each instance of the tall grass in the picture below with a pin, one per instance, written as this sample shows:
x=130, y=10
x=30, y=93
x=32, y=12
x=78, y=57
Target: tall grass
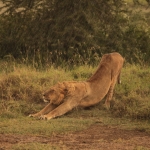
x=133, y=96
x=21, y=89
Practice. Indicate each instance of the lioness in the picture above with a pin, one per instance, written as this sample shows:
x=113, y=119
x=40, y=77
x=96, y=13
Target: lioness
x=65, y=96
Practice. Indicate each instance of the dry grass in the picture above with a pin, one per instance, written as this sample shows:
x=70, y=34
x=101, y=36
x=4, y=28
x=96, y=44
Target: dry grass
x=23, y=86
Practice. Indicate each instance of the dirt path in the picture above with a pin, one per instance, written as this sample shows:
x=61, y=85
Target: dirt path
x=97, y=137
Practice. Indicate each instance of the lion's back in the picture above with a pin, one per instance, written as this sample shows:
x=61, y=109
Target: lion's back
x=109, y=63
x=112, y=58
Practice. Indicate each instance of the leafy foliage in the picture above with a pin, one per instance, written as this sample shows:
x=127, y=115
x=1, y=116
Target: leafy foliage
x=71, y=32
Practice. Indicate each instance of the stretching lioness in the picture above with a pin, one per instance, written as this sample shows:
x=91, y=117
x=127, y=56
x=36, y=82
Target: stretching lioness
x=65, y=96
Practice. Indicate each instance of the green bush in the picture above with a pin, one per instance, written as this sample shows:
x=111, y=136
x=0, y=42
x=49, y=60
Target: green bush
x=73, y=33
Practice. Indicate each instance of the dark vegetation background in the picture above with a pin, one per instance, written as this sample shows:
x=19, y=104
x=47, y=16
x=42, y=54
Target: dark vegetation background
x=70, y=33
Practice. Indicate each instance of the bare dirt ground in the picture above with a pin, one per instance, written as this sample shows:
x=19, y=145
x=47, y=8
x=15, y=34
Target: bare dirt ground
x=96, y=137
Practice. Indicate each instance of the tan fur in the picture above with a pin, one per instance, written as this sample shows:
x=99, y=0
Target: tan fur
x=65, y=96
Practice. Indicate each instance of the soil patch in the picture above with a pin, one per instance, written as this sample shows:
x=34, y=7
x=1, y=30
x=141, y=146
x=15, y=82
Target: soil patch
x=96, y=137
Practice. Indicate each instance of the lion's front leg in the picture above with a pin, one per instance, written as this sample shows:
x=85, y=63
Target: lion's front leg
x=60, y=110
x=44, y=111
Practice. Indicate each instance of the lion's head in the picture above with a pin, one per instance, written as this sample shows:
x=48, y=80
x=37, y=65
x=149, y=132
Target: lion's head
x=56, y=94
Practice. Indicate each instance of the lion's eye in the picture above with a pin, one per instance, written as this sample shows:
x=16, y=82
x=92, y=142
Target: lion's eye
x=51, y=91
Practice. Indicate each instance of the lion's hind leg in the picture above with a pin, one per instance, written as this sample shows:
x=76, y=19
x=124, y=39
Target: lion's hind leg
x=110, y=94
x=44, y=111
x=119, y=81
x=118, y=78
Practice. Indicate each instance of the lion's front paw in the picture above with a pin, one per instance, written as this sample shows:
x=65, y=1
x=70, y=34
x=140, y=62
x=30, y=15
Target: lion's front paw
x=35, y=115
x=45, y=117
x=31, y=115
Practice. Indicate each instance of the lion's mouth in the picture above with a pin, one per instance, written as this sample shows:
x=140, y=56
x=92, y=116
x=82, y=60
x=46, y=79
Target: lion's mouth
x=45, y=100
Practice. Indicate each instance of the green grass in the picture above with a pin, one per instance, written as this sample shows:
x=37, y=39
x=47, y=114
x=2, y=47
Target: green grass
x=25, y=125
x=132, y=96
x=76, y=120
x=21, y=90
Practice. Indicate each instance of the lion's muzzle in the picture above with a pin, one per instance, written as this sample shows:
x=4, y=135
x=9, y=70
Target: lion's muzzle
x=45, y=100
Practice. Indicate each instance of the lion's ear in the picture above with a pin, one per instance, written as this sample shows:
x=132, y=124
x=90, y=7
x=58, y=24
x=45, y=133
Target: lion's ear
x=65, y=91
x=69, y=88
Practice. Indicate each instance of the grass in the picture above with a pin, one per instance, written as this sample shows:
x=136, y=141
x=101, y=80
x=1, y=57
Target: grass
x=35, y=146
x=20, y=94
x=132, y=97
x=25, y=125
x=143, y=2
x=21, y=89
